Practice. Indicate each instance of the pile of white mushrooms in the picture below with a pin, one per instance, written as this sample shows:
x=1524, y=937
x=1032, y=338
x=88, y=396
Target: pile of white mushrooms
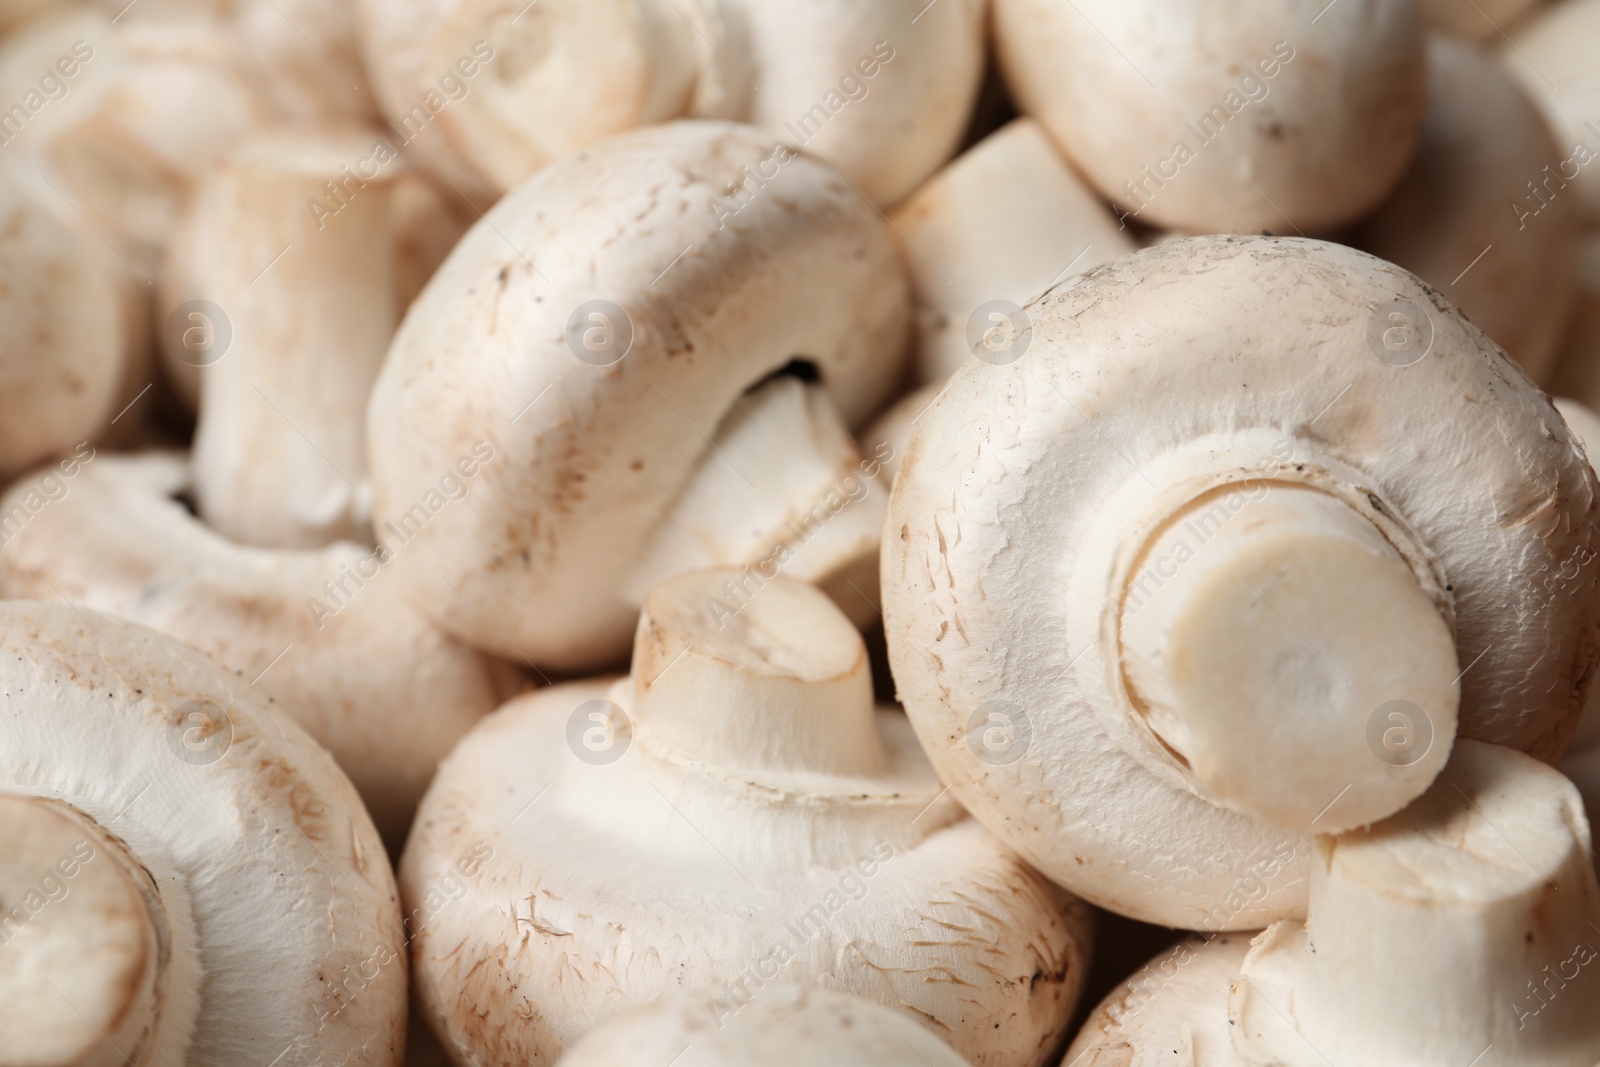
x=694, y=533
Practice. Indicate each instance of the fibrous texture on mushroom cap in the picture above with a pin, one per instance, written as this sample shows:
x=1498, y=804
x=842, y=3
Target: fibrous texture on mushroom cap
x=324, y=632
x=734, y=814
x=1479, y=214
x=594, y=329
x=1223, y=116
x=258, y=856
x=783, y=1026
x=1183, y=398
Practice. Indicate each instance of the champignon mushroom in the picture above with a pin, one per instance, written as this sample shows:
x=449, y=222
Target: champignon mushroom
x=991, y=231
x=74, y=323
x=1552, y=56
x=783, y=1024
x=1466, y=219
x=1266, y=116
x=325, y=633
x=735, y=812
x=489, y=93
x=282, y=271
x=1479, y=903
x=186, y=877
x=602, y=328
x=1204, y=571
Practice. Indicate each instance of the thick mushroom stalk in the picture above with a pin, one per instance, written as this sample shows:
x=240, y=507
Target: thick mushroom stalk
x=781, y=489
x=1264, y=627
x=84, y=943
x=1473, y=909
x=289, y=243
x=789, y=653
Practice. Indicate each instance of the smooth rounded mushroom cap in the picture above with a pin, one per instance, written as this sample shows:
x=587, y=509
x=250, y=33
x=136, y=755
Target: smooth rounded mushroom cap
x=784, y=1026
x=593, y=330
x=882, y=89
x=1466, y=220
x=1223, y=118
x=488, y=94
x=285, y=263
x=1552, y=56
x=260, y=855
x=85, y=958
x=737, y=814
x=325, y=633
x=1262, y=364
x=70, y=322
x=1469, y=898
x=1577, y=365
x=1002, y=223
x=1474, y=20
x=1174, y=1006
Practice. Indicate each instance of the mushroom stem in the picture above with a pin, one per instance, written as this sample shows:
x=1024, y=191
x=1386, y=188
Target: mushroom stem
x=84, y=940
x=777, y=683
x=782, y=489
x=1263, y=629
x=279, y=452
x=1471, y=911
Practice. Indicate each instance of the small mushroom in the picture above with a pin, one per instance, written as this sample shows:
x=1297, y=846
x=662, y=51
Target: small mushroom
x=1448, y=930
x=1551, y=55
x=1472, y=218
x=602, y=328
x=1268, y=116
x=185, y=876
x=489, y=93
x=284, y=263
x=74, y=323
x=324, y=632
x=1203, y=571
x=995, y=228
x=735, y=813
x=784, y=1024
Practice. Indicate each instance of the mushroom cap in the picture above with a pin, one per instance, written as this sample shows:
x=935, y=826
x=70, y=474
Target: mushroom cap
x=258, y=848
x=325, y=633
x=70, y=319
x=1464, y=219
x=886, y=131
x=1551, y=55
x=1190, y=364
x=1177, y=1004
x=734, y=813
x=1004, y=221
x=785, y=1026
x=623, y=246
x=1122, y=84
